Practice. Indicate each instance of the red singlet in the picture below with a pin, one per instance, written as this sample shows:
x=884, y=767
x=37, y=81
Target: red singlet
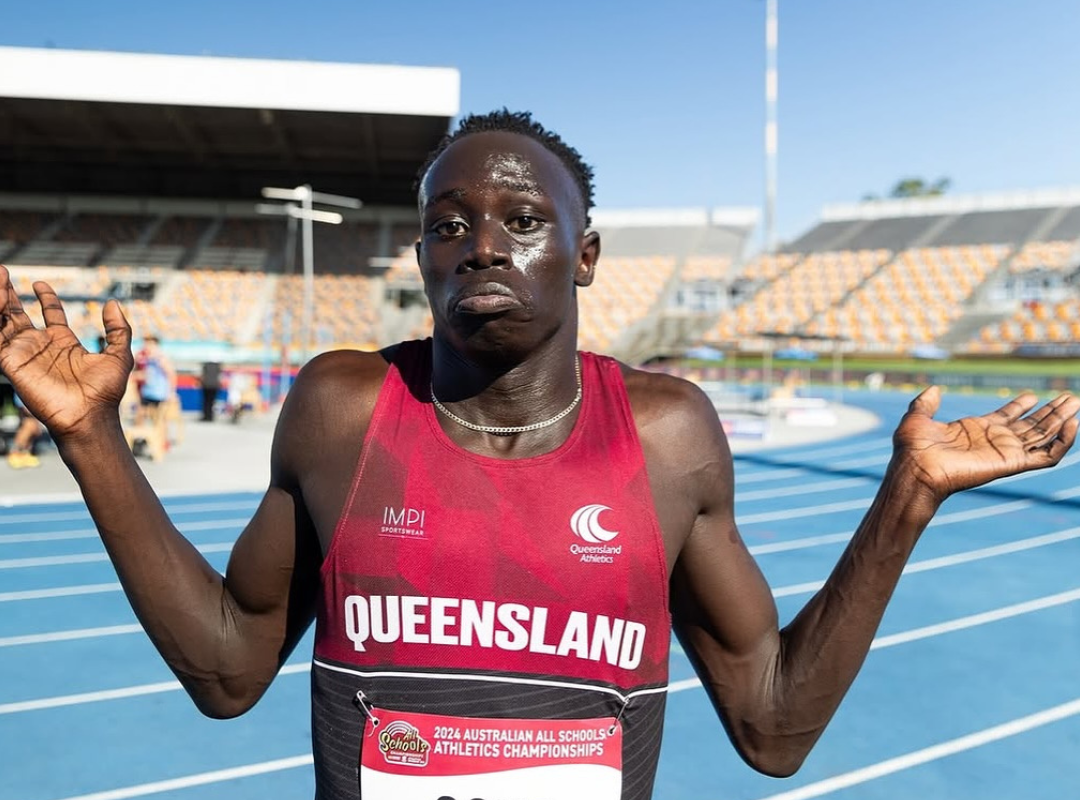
x=467, y=597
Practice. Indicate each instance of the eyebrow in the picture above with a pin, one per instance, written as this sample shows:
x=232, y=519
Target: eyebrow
x=525, y=187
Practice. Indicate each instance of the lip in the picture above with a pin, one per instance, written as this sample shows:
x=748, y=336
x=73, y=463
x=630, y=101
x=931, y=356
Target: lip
x=486, y=298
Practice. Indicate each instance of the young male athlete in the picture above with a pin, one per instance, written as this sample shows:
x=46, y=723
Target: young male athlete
x=486, y=525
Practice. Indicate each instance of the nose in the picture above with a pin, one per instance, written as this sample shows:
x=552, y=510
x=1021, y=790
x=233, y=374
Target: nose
x=488, y=247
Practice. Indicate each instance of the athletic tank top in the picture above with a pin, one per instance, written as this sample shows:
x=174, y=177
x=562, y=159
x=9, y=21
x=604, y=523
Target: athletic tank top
x=156, y=381
x=467, y=590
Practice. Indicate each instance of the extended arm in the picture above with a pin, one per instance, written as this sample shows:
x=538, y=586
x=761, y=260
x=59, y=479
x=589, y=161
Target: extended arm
x=225, y=638
x=776, y=689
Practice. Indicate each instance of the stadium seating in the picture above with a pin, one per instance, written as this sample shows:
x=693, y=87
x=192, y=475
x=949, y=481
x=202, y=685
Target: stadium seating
x=202, y=305
x=345, y=311
x=1053, y=256
x=911, y=301
x=623, y=293
x=1034, y=322
x=802, y=288
x=17, y=228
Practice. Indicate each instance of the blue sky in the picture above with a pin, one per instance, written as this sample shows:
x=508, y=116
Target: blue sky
x=666, y=99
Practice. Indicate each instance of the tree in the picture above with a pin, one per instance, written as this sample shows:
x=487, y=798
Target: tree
x=915, y=187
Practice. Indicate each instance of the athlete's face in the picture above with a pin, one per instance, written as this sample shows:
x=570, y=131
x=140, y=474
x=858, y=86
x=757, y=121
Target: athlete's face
x=502, y=242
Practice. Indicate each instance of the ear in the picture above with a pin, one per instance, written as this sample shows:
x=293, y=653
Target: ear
x=416, y=247
x=590, y=254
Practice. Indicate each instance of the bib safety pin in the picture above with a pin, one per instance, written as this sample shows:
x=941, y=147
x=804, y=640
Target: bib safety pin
x=618, y=717
x=366, y=708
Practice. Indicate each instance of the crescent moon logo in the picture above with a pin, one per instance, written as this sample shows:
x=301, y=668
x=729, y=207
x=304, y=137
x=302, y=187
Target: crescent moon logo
x=585, y=523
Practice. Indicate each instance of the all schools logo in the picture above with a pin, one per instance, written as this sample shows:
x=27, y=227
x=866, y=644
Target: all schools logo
x=404, y=523
x=586, y=525
x=401, y=743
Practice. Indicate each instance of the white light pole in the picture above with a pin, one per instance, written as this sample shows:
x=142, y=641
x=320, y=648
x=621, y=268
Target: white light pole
x=307, y=215
x=771, y=90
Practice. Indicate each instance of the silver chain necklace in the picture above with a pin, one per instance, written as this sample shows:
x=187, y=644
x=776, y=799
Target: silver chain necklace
x=510, y=431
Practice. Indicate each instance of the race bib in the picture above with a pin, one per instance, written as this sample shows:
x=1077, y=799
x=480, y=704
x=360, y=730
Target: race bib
x=409, y=756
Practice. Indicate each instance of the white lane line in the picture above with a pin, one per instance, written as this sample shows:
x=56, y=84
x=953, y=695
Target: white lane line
x=804, y=488
x=965, y=557
x=857, y=463
x=974, y=620
x=683, y=685
x=58, y=516
x=797, y=472
x=995, y=550
x=955, y=516
x=60, y=591
x=792, y=471
x=116, y=694
x=769, y=475
x=800, y=544
x=982, y=512
x=1068, y=461
x=804, y=511
x=941, y=519
x=88, y=558
x=840, y=450
x=932, y=753
x=200, y=779
x=91, y=533
x=64, y=636
x=929, y=631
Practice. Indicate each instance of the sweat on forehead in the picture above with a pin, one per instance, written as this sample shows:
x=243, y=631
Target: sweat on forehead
x=500, y=161
x=521, y=123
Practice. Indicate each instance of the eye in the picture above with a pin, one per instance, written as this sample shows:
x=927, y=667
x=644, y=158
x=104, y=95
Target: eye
x=525, y=223
x=450, y=228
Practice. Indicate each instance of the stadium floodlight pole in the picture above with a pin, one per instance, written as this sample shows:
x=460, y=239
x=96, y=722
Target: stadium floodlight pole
x=771, y=131
x=306, y=197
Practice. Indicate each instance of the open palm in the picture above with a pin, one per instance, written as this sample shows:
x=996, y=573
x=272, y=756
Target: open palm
x=949, y=457
x=62, y=384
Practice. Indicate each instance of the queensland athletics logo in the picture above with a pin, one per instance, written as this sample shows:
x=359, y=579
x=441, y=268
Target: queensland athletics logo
x=586, y=525
x=401, y=743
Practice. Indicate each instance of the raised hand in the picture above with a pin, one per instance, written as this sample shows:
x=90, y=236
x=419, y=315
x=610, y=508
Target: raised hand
x=62, y=384
x=948, y=457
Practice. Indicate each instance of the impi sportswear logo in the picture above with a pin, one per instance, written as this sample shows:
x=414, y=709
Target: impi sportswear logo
x=404, y=523
x=586, y=525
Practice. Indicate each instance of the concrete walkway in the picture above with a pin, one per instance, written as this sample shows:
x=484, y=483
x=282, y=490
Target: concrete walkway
x=224, y=457
x=215, y=456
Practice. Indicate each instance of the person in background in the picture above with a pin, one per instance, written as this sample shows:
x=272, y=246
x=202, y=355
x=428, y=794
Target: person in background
x=210, y=381
x=30, y=430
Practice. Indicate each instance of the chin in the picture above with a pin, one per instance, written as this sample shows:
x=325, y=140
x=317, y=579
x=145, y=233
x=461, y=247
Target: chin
x=499, y=337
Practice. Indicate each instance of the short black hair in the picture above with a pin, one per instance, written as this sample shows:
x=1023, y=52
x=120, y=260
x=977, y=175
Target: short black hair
x=520, y=122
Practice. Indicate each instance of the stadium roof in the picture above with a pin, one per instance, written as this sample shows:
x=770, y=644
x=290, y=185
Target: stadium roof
x=951, y=204
x=185, y=126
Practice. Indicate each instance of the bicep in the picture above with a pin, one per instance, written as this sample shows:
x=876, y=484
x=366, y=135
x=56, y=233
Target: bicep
x=271, y=581
x=722, y=608
x=718, y=594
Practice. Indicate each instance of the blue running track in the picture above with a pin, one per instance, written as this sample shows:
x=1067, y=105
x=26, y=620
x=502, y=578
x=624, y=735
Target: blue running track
x=971, y=689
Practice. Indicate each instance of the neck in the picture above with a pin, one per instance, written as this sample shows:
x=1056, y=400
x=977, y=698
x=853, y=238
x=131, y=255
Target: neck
x=500, y=393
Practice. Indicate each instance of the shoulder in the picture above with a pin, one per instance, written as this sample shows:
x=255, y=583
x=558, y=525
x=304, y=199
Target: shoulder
x=665, y=402
x=330, y=402
x=681, y=434
x=343, y=371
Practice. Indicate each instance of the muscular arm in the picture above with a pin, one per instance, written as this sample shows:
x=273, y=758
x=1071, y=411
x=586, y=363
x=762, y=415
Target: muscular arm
x=776, y=689
x=224, y=637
